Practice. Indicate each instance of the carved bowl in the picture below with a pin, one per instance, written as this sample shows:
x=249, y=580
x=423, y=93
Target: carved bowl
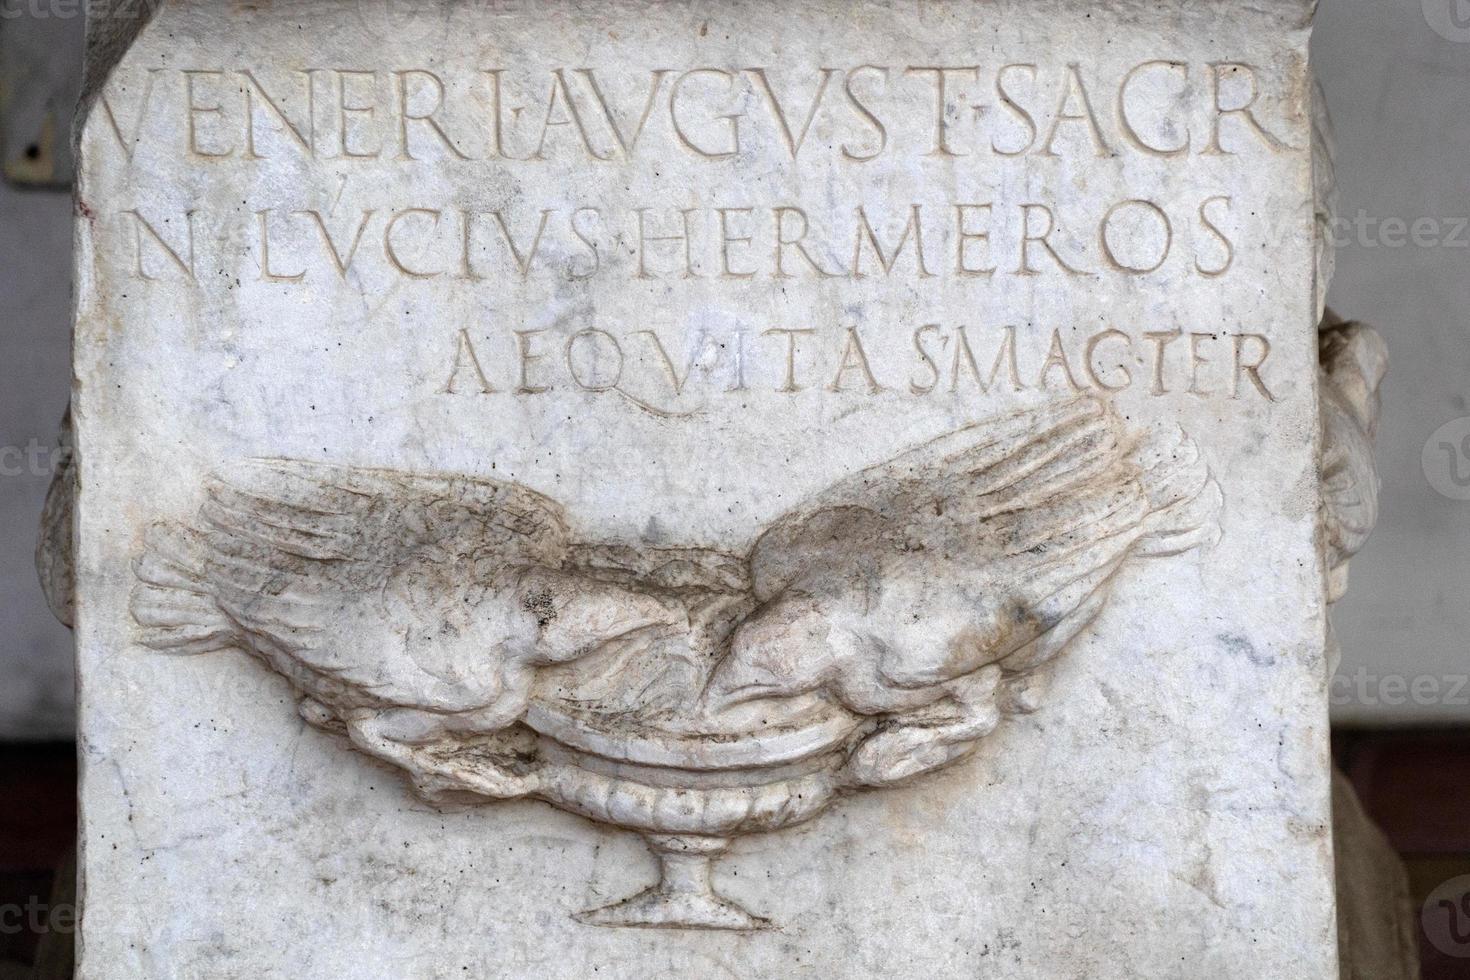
x=667, y=783
x=622, y=737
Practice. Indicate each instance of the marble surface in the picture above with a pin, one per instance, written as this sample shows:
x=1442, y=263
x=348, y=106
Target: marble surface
x=932, y=375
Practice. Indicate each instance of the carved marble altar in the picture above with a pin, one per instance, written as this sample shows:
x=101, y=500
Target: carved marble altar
x=872, y=453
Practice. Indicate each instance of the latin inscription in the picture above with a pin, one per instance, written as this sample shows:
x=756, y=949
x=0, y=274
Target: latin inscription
x=973, y=240
x=1161, y=108
x=673, y=372
x=343, y=127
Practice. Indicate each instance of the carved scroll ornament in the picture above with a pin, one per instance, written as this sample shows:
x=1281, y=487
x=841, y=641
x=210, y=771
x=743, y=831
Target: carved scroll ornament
x=456, y=628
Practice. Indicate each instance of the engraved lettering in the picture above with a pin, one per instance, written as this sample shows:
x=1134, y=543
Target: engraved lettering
x=142, y=226
x=628, y=143
x=303, y=136
x=1252, y=369
x=434, y=84
x=340, y=262
x=865, y=232
x=1008, y=101
x=596, y=343
x=732, y=119
x=676, y=382
x=390, y=247
x=267, y=273
x=1136, y=236
x=727, y=239
x=197, y=111
x=522, y=258
x=794, y=141
x=791, y=336
x=1006, y=354
x=528, y=359
x=1074, y=88
x=464, y=356
x=683, y=236
x=497, y=117
x=1130, y=132
x=1042, y=239
x=940, y=75
x=963, y=238
x=1220, y=72
x=1214, y=230
x=1090, y=360
x=355, y=112
x=1056, y=357
x=1197, y=361
x=129, y=141
x=561, y=94
x=854, y=358
x=866, y=113
x=782, y=243
x=595, y=261
x=924, y=388
x=1161, y=340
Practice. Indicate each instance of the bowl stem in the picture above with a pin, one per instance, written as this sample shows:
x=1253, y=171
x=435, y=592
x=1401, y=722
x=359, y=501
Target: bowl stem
x=685, y=896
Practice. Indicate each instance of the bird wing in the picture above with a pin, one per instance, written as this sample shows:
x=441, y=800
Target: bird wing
x=993, y=543
x=989, y=468
x=326, y=571
x=1044, y=548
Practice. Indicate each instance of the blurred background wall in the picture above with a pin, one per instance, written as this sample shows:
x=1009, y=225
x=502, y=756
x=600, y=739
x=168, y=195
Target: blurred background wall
x=1397, y=76
x=1396, y=72
x=39, y=59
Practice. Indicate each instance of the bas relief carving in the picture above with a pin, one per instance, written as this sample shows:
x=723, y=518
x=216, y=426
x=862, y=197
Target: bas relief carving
x=458, y=628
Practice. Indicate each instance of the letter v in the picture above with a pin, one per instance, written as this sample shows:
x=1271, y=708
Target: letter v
x=793, y=141
x=625, y=143
x=129, y=141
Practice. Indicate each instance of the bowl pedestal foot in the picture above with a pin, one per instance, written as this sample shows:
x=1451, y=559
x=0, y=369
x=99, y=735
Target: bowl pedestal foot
x=684, y=897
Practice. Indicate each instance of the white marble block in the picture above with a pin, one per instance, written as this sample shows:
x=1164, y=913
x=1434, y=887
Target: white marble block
x=694, y=489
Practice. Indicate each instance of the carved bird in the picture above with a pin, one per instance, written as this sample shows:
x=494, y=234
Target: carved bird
x=876, y=633
x=927, y=590
x=401, y=608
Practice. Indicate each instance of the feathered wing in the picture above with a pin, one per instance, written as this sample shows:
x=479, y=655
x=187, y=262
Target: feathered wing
x=1002, y=464
x=930, y=589
x=1147, y=500
x=327, y=572
x=993, y=544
